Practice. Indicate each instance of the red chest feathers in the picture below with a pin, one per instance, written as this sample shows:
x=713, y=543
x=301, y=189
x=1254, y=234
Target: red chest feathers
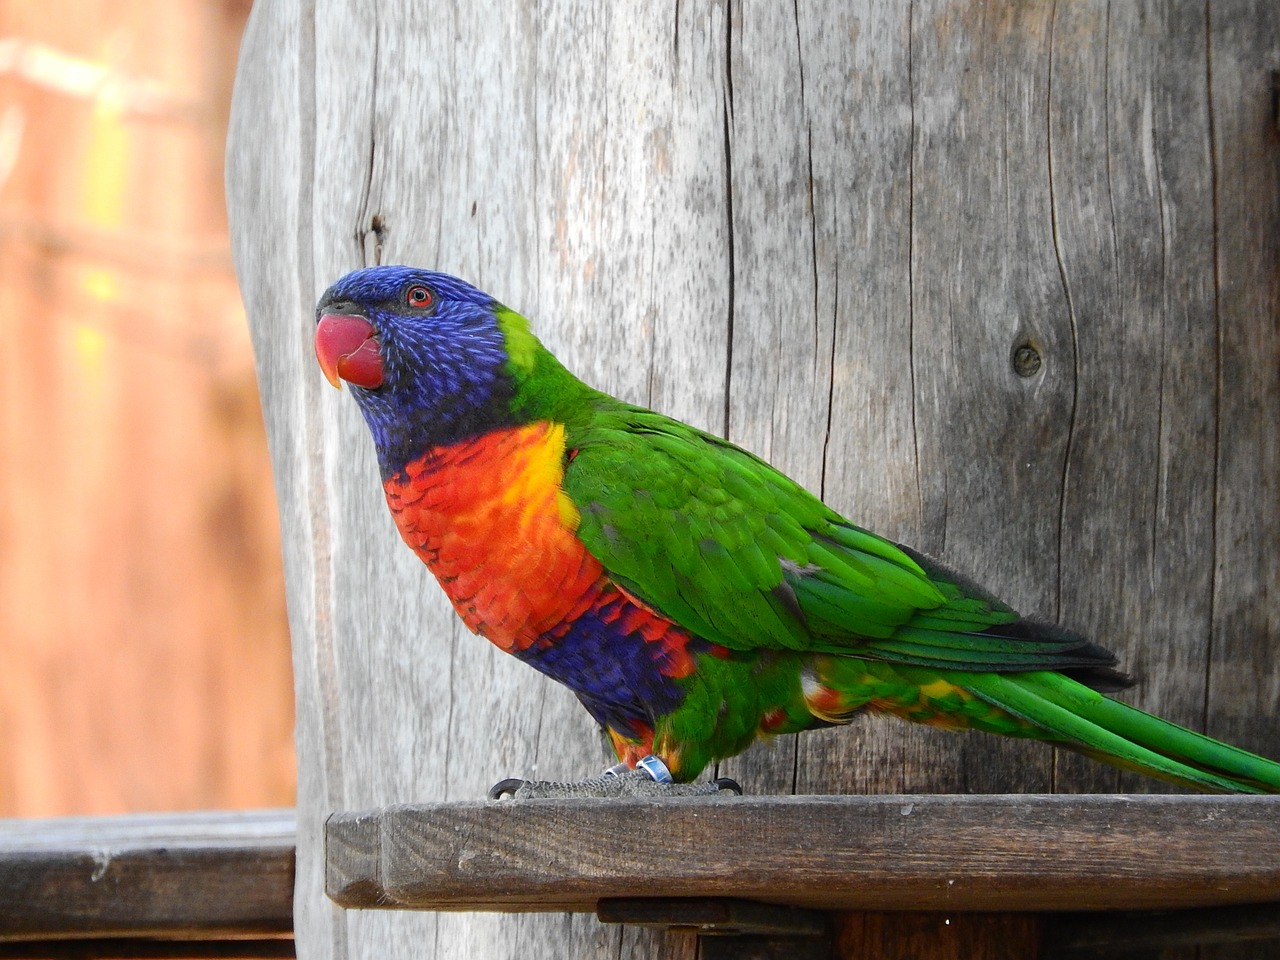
x=488, y=517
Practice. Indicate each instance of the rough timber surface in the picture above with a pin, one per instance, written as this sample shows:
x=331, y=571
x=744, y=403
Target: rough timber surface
x=824, y=230
x=184, y=875
x=963, y=853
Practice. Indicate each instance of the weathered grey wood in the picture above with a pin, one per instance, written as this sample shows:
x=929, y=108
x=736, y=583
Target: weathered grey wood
x=1242, y=692
x=1006, y=852
x=825, y=230
x=1245, y=54
x=190, y=876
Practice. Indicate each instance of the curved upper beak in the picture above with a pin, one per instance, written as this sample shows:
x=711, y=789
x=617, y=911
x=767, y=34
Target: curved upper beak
x=347, y=350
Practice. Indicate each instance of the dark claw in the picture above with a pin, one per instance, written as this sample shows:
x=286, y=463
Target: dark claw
x=724, y=783
x=508, y=788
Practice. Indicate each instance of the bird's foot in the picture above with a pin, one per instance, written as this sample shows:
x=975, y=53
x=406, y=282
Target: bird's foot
x=650, y=778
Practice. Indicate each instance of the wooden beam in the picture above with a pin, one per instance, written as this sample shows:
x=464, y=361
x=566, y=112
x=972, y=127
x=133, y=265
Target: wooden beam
x=955, y=853
x=183, y=876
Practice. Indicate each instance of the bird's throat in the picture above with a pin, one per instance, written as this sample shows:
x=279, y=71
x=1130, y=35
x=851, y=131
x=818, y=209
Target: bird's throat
x=489, y=518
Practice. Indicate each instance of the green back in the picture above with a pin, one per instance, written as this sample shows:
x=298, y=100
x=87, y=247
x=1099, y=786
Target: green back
x=723, y=544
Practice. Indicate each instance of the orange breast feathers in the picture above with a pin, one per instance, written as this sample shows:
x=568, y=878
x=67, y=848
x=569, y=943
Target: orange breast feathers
x=490, y=520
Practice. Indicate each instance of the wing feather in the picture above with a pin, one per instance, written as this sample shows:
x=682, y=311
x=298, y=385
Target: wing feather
x=735, y=552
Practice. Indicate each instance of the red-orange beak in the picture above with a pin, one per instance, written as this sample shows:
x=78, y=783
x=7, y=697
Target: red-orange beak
x=347, y=350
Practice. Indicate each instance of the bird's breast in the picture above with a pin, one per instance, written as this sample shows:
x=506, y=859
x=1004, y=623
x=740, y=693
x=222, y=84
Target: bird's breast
x=490, y=519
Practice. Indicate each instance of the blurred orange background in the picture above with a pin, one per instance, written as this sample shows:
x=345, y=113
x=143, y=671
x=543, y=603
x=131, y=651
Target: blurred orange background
x=144, y=658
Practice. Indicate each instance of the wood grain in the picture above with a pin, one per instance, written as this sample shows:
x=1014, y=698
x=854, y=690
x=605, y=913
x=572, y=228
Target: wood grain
x=996, y=852
x=1242, y=698
x=825, y=233
x=191, y=876
x=938, y=936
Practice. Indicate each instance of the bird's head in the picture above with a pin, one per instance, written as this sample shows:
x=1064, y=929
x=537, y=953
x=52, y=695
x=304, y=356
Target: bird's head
x=428, y=356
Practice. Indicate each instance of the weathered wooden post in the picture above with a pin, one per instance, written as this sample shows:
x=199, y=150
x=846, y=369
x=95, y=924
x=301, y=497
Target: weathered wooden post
x=999, y=282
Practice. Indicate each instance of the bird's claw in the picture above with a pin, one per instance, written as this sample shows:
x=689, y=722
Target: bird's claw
x=651, y=778
x=506, y=788
x=728, y=785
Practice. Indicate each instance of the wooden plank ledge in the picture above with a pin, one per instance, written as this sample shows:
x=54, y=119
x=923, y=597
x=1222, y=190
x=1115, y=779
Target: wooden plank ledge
x=189, y=876
x=962, y=853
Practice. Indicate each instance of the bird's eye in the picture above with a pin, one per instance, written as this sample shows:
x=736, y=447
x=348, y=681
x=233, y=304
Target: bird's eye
x=418, y=297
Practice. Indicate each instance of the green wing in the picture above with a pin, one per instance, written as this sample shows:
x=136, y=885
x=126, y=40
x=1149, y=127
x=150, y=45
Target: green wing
x=734, y=551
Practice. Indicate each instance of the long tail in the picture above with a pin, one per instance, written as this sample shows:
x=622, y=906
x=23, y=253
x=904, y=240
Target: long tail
x=1125, y=736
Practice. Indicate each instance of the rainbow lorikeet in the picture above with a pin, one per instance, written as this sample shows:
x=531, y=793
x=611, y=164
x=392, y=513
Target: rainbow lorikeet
x=693, y=597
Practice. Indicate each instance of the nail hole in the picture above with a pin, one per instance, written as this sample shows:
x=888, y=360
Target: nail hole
x=1026, y=360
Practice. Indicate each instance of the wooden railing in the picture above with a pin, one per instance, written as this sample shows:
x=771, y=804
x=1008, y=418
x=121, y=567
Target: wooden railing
x=158, y=885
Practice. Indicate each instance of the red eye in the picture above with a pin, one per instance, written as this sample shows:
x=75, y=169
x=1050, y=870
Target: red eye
x=418, y=296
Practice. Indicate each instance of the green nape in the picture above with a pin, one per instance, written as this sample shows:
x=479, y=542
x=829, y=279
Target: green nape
x=544, y=389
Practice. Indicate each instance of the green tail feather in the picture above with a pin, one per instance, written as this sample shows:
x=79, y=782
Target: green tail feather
x=1123, y=735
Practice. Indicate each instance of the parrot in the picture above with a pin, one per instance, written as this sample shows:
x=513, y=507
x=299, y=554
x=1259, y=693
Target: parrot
x=692, y=597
